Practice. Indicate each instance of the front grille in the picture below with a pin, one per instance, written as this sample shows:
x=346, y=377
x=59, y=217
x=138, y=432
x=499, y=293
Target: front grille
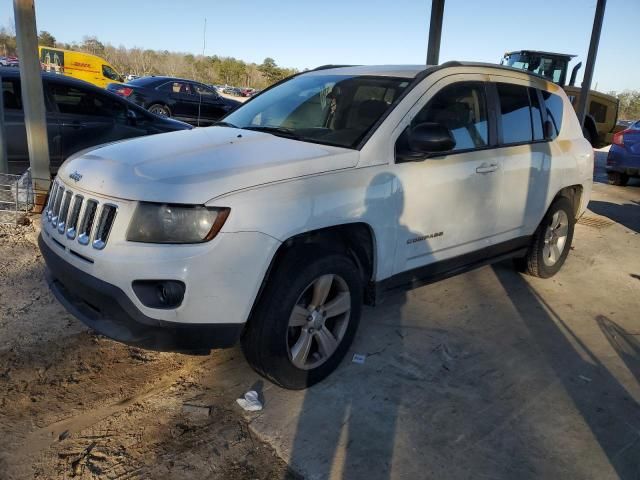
x=104, y=226
x=87, y=222
x=77, y=218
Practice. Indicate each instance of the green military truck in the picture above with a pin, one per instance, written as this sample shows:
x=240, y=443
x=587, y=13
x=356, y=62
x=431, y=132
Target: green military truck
x=601, y=120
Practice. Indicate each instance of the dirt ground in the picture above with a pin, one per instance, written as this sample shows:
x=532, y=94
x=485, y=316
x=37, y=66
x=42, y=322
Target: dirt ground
x=73, y=404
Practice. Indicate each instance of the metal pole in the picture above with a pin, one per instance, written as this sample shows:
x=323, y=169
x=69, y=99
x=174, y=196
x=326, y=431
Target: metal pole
x=35, y=119
x=591, y=60
x=4, y=161
x=435, y=32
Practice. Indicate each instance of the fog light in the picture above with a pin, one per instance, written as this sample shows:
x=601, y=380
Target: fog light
x=159, y=293
x=170, y=293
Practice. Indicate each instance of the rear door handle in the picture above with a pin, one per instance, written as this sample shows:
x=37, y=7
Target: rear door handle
x=486, y=168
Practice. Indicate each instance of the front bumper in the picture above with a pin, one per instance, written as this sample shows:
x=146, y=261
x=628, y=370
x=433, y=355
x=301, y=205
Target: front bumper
x=108, y=310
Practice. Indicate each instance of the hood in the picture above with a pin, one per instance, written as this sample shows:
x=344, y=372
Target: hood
x=194, y=166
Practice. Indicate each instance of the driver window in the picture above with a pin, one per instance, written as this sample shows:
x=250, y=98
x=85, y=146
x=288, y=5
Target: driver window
x=204, y=91
x=461, y=108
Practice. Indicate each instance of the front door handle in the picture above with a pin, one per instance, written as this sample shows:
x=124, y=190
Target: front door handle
x=486, y=168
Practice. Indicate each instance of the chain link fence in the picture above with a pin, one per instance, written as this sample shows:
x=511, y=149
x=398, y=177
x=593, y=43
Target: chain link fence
x=16, y=197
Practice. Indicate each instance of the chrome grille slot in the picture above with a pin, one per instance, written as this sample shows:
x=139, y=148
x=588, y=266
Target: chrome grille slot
x=56, y=205
x=51, y=201
x=64, y=211
x=74, y=216
x=107, y=215
x=87, y=222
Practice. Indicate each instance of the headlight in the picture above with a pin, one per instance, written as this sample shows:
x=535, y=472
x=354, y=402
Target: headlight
x=166, y=223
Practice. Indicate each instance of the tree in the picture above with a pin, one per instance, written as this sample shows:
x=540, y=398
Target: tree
x=46, y=39
x=92, y=45
x=270, y=70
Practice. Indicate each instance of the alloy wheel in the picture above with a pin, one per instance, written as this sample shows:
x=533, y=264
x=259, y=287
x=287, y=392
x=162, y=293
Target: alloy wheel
x=318, y=321
x=555, y=238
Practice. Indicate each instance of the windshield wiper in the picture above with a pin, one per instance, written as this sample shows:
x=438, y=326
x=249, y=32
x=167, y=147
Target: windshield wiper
x=224, y=124
x=280, y=131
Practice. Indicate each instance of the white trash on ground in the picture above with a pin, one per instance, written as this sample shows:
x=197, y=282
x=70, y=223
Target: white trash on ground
x=251, y=402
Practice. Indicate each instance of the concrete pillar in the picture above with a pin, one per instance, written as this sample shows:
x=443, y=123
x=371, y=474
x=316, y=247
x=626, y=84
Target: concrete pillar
x=4, y=162
x=33, y=98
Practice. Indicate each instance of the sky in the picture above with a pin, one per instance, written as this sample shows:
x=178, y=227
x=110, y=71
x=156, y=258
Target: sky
x=304, y=34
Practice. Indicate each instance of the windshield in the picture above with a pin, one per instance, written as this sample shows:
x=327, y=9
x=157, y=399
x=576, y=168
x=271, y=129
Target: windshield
x=330, y=109
x=550, y=67
x=110, y=73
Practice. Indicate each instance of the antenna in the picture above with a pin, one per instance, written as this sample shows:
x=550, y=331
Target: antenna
x=204, y=45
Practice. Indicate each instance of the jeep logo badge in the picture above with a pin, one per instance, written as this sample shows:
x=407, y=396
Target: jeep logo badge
x=75, y=176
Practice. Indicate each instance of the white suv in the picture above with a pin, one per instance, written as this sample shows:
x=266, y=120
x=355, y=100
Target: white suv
x=274, y=226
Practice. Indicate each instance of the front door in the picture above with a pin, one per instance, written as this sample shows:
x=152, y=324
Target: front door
x=212, y=107
x=450, y=200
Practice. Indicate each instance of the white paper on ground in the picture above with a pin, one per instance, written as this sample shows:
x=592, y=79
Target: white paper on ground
x=250, y=402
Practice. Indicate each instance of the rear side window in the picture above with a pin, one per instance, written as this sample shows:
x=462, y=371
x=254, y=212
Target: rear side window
x=553, y=107
x=72, y=100
x=515, y=113
x=11, y=95
x=536, y=115
x=462, y=108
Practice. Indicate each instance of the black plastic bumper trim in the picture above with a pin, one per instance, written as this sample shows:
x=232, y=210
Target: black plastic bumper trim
x=108, y=310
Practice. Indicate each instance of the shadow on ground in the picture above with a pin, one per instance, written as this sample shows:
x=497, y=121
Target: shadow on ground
x=473, y=377
x=627, y=214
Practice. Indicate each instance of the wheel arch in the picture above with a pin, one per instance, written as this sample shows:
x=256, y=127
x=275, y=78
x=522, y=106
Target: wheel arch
x=574, y=194
x=356, y=239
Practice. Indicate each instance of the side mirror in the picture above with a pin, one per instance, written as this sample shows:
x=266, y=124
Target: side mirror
x=428, y=138
x=132, y=118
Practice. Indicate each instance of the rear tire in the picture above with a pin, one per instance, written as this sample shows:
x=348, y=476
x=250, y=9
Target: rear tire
x=288, y=339
x=617, y=178
x=160, y=110
x=551, y=241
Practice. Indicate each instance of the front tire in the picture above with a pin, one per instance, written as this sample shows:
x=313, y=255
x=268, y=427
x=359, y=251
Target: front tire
x=551, y=241
x=306, y=318
x=617, y=178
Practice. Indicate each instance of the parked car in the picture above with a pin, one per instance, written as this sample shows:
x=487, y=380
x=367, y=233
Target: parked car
x=324, y=192
x=246, y=92
x=79, y=115
x=623, y=160
x=185, y=100
x=9, y=61
x=232, y=91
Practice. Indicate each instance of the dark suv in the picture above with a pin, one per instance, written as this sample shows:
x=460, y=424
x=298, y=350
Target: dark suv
x=79, y=116
x=186, y=100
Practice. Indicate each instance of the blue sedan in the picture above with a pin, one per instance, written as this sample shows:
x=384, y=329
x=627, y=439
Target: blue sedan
x=623, y=160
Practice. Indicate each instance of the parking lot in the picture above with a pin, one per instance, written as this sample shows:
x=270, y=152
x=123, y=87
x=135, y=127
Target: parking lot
x=490, y=374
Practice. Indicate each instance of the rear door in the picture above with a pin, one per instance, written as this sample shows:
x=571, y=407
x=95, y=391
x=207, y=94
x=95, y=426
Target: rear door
x=183, y=100
x=212, y=107
x=88, y=117
x=525, y=156
x=15, y=131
